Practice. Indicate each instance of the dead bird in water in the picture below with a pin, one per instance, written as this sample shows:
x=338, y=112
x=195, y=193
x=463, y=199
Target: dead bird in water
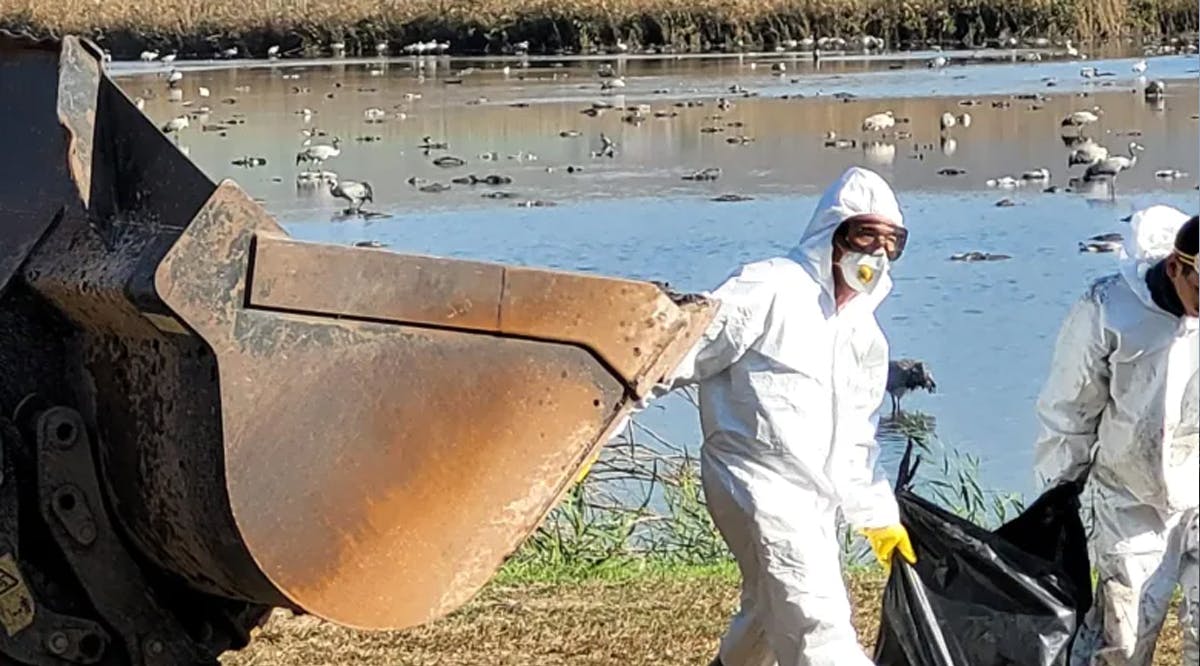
x=710, y=173
x=979, y=256
x=906, y=375
x=472, y=179
x=1110, y=242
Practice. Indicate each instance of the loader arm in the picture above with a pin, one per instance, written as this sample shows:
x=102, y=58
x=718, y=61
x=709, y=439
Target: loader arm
x=244, y=420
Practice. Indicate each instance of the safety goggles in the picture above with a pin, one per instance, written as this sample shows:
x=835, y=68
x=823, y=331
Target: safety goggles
x=868, y=234
x=1186, y=259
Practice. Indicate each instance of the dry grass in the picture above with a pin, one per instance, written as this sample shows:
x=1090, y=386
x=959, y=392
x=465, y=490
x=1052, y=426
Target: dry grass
x=647, y=620
x=488, y=25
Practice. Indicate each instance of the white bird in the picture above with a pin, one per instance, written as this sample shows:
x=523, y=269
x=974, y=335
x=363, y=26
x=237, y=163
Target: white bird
x=148, y=56
x=1139, y=67
x=374, y=113
x=357, y=193
x=1036, y=174
x=175, y=126
x=1108, y=168
x=1071, y=50
x=948, y=120
x=1088, y=152
x=938, y=62
x=273, y=51
x=139, y=103
x=1081, y=118
x=203, y=92
x=168, y=59
x=319, y=153
x=1004, y=182
x=965, y=120
x=879, y=122
x=174, y=77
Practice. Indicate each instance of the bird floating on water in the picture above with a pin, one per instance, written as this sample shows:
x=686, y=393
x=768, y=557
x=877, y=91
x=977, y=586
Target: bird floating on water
x=1154, y=91
x=1080, y=119
x=1110, y=242
x=879, y=122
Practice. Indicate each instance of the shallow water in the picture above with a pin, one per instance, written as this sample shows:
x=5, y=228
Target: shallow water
x=986, y=328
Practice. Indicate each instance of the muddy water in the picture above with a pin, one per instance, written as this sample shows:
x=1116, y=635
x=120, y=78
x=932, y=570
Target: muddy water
x=985, y=328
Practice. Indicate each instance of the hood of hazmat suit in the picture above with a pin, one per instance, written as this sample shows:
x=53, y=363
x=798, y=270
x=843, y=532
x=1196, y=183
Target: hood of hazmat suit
x=790, y=391
x=1122, y=396
x=1122, y=388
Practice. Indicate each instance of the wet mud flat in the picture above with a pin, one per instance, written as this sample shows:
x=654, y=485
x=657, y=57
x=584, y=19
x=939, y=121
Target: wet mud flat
x=488, y=134
x=718, y=161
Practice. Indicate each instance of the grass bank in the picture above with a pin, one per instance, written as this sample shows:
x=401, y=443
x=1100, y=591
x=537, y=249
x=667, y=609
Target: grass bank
x=627, y=570
x=492, y=26
x=644, y=615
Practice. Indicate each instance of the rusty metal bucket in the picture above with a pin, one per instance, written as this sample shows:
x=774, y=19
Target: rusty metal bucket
x=356, y=433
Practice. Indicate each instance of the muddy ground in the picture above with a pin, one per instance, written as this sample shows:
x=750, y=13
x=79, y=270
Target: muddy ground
x=655, y=621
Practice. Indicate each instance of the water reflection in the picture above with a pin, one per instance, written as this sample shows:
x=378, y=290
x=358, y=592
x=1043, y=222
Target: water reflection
x=986, y=327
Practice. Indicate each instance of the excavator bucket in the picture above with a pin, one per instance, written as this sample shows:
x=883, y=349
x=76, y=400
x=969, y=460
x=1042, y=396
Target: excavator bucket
x=203, y=418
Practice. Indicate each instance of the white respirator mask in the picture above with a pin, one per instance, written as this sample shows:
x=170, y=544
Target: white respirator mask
x=863, y=272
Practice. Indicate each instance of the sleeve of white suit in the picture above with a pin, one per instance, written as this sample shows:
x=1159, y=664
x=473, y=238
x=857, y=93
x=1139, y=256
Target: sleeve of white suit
x=864, y=491
x=1074, y=395
x=742, y=310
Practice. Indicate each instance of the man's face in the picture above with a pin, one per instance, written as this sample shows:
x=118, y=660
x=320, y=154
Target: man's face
x=870, y=234
x=1187, y=284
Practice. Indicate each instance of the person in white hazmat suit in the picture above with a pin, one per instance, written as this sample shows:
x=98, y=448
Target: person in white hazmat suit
x=1120, y=405
x=791, y=376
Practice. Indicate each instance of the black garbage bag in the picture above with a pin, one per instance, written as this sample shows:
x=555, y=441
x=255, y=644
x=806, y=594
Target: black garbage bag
x=976, y=597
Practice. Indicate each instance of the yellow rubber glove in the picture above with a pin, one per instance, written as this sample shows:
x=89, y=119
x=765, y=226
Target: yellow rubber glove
x=885, y=541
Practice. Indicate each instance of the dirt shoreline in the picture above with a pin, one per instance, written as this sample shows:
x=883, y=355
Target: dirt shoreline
x=194, y=28
x=646, y=621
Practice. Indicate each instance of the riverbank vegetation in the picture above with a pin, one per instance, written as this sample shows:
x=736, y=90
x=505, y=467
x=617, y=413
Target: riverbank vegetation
x=201, y=28
x=628, y=570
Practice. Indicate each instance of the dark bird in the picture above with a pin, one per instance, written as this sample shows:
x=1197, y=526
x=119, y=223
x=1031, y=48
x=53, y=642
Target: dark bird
x=357, y=193
x=906, y=375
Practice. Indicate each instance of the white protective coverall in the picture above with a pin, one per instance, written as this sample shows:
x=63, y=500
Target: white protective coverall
x=1122, y=391
x=790, y=390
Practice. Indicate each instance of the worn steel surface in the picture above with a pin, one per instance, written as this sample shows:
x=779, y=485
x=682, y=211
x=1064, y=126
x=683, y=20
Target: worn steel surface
x=626, y=324
x=31, y=629
x=361, y=434
x=72, y=507
x=419, y=452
